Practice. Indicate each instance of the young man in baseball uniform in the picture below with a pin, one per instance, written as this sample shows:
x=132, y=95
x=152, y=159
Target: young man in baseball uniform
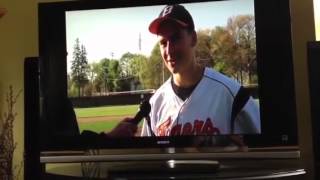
x=195, y=100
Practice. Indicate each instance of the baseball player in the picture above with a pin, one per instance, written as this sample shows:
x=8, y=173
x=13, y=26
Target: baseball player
x=195, y=100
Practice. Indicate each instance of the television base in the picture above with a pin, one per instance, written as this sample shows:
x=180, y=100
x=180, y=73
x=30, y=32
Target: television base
x=166, y=167
x=179, y=169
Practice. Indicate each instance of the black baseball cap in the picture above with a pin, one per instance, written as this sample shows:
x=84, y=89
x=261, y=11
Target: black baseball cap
x=175, y=13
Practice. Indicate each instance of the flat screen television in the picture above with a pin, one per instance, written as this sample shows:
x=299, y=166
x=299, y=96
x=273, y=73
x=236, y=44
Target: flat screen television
x=122, y=65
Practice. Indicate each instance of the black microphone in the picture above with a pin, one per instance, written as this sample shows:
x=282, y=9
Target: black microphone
x=144, y=111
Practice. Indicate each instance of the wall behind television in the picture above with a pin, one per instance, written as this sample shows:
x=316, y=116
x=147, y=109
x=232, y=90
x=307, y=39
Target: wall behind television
x=303, y=30
x=19, y=39
x=316, y=9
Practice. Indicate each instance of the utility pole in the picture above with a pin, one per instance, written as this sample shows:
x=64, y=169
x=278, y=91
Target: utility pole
x=112, y=54
x=139, y=42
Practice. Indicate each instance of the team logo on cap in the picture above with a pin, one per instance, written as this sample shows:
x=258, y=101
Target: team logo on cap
x=167, y=10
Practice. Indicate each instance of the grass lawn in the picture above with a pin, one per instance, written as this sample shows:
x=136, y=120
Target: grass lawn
x=122, y=110
x=98, y=126
x=107, y=111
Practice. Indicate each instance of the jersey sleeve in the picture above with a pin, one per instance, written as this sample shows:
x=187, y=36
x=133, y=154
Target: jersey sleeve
x=248, y=120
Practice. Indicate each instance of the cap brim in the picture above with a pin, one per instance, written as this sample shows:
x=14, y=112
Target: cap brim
x=154, y=25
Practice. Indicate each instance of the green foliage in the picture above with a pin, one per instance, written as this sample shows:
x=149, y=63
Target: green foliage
x=154, y=72
x=109, y=76
x=132, y=66
x=88, y=89
x=220, y=66
x=99, y=127
x=106, y=73
x=203, y=48
x=230, y=49
x=79, y=66
x=243, y=57
x=73, y=89
x=126, y=64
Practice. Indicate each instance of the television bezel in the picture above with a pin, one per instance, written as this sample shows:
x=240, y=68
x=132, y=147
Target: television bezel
x=275, y=73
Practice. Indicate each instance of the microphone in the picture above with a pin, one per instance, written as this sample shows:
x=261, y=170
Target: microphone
x=144, y=111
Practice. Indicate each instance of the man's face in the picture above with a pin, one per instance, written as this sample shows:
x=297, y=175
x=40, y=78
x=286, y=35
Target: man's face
x=176, y=46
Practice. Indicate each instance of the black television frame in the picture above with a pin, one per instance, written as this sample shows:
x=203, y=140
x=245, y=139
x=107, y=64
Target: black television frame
x=275, y=71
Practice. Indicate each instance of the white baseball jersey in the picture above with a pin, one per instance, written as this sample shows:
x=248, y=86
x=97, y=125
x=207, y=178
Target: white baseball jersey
x=207, y=111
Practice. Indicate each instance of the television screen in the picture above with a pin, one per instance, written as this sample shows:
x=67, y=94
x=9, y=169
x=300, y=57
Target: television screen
x=107, y=72
x=112, y=53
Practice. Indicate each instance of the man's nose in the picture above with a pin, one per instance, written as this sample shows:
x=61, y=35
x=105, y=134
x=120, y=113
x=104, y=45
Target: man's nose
x=170, y=48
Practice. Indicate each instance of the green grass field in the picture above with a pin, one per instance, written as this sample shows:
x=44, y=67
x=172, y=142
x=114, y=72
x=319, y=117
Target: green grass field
x=98, y=126
x=120, y=111
x=107, y=111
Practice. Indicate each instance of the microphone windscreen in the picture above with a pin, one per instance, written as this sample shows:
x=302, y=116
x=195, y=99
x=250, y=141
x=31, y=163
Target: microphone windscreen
x=144, y=111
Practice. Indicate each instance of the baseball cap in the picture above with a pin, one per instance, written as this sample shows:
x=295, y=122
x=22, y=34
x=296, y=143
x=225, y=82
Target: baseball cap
x=175, y=13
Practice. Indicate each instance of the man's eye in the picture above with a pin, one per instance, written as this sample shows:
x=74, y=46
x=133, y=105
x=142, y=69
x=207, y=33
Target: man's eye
x=163, y=43
x=176, y=37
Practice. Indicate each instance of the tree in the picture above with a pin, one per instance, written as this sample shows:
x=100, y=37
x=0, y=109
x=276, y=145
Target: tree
x=137, y=68
x=222, y=45
x=131, y=67
x=79, y=66
x=104, y=72
x=203, y=48
x=125, y=64
x=243, y=59
x=97, y=82
x=114, y=75
x=108, y=76
x=231, y=49
x=154, y=72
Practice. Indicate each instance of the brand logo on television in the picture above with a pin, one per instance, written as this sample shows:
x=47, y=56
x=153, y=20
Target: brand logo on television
x=163, y=142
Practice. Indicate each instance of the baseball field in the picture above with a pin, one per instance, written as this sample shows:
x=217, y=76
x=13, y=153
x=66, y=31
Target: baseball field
x=104, y=118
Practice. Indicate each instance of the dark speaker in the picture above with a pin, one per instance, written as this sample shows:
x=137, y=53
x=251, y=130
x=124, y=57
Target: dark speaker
x=314, y=85
x=31, y=119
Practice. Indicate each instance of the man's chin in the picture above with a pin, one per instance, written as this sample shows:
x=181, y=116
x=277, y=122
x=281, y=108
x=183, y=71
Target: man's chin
x=174, y=71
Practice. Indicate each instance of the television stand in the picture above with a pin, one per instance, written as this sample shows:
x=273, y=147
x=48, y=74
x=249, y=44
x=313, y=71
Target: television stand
x=170, y=167
x=224, y=169
x=264, y=163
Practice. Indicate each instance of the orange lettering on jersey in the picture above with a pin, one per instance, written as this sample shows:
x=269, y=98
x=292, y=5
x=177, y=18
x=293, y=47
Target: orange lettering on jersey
x=187, y=129
x=209, y=129
x=164, y=127
x=176, y=130
x=198, y=128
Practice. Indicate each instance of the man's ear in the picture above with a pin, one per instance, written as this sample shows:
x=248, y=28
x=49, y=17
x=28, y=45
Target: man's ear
x=194, y=39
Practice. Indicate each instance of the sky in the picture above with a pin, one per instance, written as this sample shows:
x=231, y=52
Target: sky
x=109, y=33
